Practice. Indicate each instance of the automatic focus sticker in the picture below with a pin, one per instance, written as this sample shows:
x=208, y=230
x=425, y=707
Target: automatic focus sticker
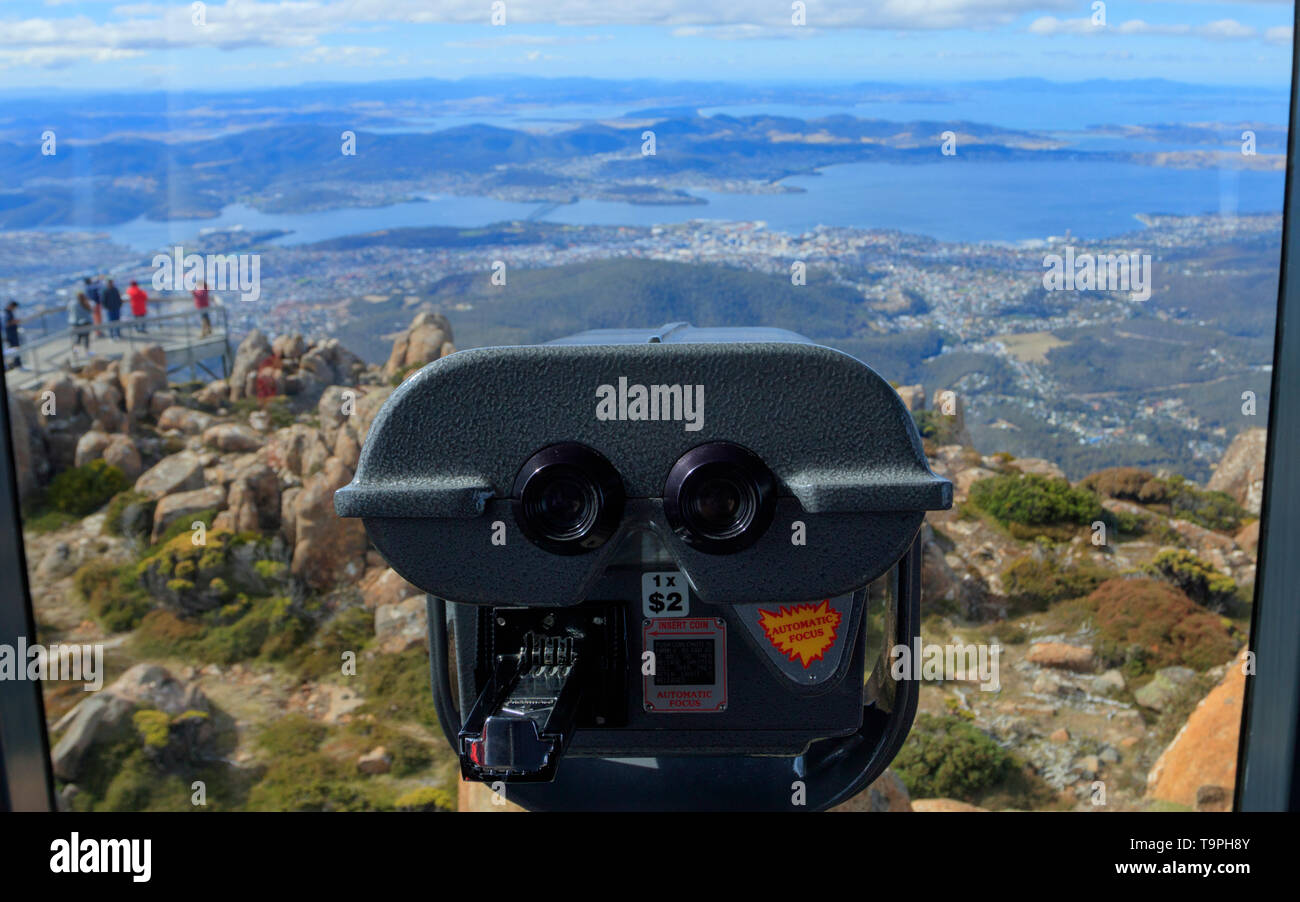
x=802, y=633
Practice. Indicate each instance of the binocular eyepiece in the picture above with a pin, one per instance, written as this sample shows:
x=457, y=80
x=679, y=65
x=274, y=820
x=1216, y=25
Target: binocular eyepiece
x=718, y=497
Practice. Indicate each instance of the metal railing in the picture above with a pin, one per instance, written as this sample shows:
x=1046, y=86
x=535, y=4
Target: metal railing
x=179, y=335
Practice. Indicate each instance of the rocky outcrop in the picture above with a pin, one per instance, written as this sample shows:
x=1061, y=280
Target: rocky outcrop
x=232, y=437
x=401, y=626
x=328, y=549
x=185, y=419
x=1240, y=472
x=185, y=504
x=1061, y=656
x=141, y=372
x=1165, y=686
x=177, y=473
x=144, y=686
x=428, y=338
x=1199, y=767
x=243, y=372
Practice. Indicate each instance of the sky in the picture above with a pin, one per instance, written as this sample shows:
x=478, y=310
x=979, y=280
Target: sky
x=108, y=45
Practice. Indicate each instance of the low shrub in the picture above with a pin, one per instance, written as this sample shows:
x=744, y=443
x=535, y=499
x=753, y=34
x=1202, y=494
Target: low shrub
x=1144, y=625
x=948, y=757
x=83, y=490
x=1195, y=578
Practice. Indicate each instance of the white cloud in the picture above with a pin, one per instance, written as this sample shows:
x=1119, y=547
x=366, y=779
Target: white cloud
x=550, y=40
x=1219, y=30
x=145, y=26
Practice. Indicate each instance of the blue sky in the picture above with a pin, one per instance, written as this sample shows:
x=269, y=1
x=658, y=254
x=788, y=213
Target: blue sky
x=105, y=44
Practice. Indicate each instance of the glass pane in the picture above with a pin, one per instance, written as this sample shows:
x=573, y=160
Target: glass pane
x=225, y=239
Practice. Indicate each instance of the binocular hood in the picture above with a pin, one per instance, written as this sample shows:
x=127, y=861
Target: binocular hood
x=768, y=466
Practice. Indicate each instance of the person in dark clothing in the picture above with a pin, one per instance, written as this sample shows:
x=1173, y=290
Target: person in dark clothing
x=112, y=301
x=11, y=331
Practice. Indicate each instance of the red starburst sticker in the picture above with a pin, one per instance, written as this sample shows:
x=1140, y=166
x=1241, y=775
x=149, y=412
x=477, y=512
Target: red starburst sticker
x=802, y=633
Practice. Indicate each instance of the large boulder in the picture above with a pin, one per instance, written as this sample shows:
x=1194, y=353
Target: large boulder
x=324, y=364
x=186, y=504
x=141, y=372
x=428, y=338
x=401, y=626
x=232, y=437
x=290, y=346
x=1204, y=753
x=1061, y=656
x=101, y=399
x=297, y=450
x=63, y=396
x=143, y=685
x=91, y=446
x=1240, y=472
x=185, y=419
x=382, y=586
x=122, y=453
x=328, y=549
x=92, y=717
x=214, y=394
x=153, y=686
x=31, y=459
x=175, y=473
x=252, y=351
x=253, y=500
x=1165, y=687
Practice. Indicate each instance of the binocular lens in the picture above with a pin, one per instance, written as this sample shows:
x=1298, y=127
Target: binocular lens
x=720, y=498
x=565, y=506
x=568, y=499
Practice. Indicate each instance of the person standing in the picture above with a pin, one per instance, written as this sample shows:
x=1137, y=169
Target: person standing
x=111, y=298
x=201, y=303
x=79, y=317
x=12, y=337
x=93, y=291
x=139, y=305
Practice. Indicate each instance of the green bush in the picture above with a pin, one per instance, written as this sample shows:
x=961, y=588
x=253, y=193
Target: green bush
x=948, y=757
x=1034, y=584
x=114, y=594
x=83, y=490
x=349, y=630
x=1213, y=510
x=1195, y=578
x=397, y=687
x=936, y=427
x=1029, y=499
x=129, y=514
x=153, y=726
x=299, y=777
x=270, y=628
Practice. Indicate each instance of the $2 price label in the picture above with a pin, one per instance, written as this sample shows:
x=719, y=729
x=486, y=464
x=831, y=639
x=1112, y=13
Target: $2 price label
x=665, y=594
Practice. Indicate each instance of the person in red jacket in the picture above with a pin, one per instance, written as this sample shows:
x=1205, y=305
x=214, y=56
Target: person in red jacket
x=201, y=303
x=139, y=304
